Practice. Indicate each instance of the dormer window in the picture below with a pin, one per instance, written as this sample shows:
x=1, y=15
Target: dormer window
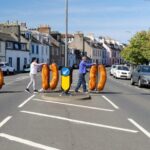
x=16, y=46
x=9, y=45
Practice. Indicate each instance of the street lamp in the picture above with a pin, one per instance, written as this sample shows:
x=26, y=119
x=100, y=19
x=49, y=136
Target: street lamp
x=66, y=36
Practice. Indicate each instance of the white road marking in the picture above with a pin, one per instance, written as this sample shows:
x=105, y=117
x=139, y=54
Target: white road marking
x=114, y=105
x=81, y=106
x=140, y=127
x=26, y=142
x=5, y=121
x=79, y=122
x=26, y=101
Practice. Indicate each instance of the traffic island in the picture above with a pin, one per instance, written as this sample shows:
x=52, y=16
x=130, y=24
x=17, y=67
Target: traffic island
x=58, y=95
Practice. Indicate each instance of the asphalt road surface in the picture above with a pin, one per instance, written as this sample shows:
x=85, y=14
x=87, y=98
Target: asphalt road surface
x=118, y=118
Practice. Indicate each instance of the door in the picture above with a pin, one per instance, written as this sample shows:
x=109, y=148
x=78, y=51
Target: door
x=18, y=64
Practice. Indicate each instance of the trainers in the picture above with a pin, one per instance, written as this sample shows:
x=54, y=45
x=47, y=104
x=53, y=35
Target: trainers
x=35, y=91
x=27, y=90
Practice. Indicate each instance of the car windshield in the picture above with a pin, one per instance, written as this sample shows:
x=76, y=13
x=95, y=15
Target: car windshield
x=146, y=69
x=113, y=66
x=123, y=68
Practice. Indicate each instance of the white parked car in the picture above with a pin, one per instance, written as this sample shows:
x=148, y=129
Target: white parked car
x=6, y=68
x=122, y=72
x=113, y=67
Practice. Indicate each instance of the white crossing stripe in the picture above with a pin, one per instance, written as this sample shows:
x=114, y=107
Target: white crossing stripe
x=26, y=101
x=114, y=105
x=140, y=127
x=79, y=122
x=74, y=105
x=5, y=121
x=26, y=142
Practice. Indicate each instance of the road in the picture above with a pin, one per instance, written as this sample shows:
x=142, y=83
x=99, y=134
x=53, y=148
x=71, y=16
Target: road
x=115, y=119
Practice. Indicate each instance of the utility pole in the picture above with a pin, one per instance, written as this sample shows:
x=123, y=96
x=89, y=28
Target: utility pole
x=66, y=35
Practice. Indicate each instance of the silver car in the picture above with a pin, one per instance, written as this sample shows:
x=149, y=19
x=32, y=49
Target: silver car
x=141, y=76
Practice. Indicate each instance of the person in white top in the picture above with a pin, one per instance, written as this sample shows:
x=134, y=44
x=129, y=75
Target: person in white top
x=33, y=72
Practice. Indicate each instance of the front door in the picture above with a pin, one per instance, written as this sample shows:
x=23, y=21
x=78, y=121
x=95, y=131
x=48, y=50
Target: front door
x=18, y=64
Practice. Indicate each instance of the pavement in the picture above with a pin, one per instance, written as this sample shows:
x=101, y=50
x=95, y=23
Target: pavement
x=115, y=119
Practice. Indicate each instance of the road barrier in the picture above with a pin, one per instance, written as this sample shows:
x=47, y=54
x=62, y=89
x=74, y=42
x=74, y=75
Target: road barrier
x=66, y=79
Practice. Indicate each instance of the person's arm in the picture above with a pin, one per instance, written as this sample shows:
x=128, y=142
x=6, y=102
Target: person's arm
x=89, y=64
x=40, y=64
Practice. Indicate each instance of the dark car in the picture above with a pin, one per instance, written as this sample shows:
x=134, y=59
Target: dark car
x=141, y=76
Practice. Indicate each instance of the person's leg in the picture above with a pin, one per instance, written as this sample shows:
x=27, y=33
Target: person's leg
x=84, y=83
x=79, y=82
x=34, y=82
x=31, y=80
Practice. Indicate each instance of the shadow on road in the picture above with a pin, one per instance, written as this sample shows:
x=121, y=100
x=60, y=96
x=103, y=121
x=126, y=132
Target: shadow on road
x=105, y=93
x=2, y=92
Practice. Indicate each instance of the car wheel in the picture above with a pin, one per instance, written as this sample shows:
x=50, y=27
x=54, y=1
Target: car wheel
x=7, y=72
x=132, y=82
x=139, y=83
x=13, y=71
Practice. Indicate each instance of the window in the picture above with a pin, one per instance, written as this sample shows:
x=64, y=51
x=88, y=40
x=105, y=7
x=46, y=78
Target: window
x=37, y=49
x=57, y=51
x=53, y=51
x=23, y=46
x=16, y=46
x=10, y=61
x=32, y=49
x=9, y=45
x=0, y=47
x=25, y=61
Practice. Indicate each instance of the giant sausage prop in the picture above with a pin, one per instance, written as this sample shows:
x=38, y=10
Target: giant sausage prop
x=103, y=77
x=1, y=79
x=55, y=76
x=92, y=78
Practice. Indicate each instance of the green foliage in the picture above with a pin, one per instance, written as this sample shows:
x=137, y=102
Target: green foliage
x=138, y=50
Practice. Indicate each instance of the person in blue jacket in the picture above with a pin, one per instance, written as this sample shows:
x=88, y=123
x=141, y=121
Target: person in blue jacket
x=82, y=72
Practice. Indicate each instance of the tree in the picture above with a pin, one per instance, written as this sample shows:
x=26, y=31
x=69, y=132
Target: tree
x=138, y=50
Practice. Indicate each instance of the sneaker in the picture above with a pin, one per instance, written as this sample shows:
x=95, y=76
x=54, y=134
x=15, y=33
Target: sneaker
x=27, y=90
x=76, y=91
x=35, y=91
x=85, y=92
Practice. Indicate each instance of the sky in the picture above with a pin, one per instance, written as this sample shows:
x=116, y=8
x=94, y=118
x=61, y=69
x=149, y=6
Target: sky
x=118, y=19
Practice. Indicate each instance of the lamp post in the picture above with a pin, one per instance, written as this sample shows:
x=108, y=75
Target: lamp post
x=66, y=34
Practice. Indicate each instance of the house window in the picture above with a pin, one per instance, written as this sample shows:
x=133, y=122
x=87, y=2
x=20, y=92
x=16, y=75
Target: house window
x=53, y=51
x=9, y=45
x=37, y=49
x=16, y=46
x=23, y=46
x=0, y=47
x=32, y=49
x=57, y=52
x=25, y=61
x=10, y=61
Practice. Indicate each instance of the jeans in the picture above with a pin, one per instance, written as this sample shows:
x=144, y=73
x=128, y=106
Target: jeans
x=32, y=80
x=82, y=81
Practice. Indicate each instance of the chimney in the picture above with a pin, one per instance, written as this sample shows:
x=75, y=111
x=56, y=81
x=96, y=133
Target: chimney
x=44, y=29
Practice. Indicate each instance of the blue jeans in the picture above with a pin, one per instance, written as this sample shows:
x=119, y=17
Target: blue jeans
x=82, y=81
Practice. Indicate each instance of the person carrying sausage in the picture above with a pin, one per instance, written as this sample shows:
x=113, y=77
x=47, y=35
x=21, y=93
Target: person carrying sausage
x=82, y=72
x=33, y=72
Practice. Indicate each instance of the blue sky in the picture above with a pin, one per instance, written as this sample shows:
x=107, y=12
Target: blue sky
x=119, y=19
